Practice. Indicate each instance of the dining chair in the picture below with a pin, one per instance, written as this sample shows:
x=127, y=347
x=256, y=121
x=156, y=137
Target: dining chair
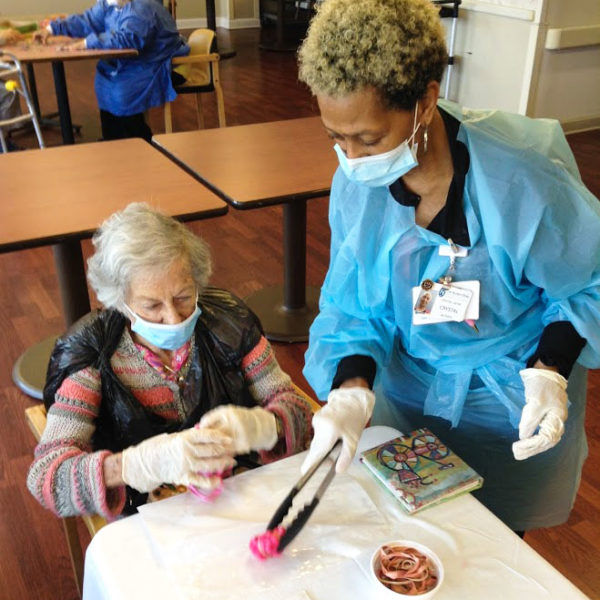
x=201, y=72
x=36, y=419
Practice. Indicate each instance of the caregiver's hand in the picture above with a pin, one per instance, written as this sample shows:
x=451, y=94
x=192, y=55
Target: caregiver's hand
x=187, y=457
x=344, y=417
x=249, y=428
x=546, y=407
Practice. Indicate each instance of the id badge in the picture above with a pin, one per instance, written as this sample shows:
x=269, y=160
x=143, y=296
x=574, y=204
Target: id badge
x=438, y=303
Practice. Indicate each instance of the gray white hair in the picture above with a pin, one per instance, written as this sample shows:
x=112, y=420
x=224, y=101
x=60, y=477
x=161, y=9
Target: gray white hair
x=140, y=238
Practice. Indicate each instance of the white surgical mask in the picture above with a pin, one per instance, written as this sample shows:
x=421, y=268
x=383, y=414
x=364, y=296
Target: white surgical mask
x=381, y=169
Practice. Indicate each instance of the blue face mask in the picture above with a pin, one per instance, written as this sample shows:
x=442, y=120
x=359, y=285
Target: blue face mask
x=381, y=169
x=161, y=335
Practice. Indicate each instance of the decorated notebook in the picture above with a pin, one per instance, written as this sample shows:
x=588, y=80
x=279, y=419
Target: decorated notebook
x=420, y=470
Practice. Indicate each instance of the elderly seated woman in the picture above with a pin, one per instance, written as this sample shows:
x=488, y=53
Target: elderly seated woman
x=172, y=383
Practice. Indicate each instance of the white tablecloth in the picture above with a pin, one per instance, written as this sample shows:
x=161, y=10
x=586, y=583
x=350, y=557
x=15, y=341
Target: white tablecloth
x=187, y=549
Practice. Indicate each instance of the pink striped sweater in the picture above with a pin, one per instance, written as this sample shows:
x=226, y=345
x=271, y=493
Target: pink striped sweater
x=66, y=476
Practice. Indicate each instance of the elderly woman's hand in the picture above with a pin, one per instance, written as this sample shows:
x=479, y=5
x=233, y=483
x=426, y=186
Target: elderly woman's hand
x=41, y=36
x=249, y=428
x=189, y=457
x=73, y=46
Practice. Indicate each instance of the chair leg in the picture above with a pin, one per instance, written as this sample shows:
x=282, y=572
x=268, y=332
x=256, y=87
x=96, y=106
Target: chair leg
x=75, y=553
x=3, y=144
x=168, y=119
x=219, y=94
x=199, y=112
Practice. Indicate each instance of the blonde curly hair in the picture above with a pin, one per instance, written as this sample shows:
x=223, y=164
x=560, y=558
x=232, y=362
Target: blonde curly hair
x=395, y=46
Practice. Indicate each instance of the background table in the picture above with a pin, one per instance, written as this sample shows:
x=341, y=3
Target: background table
x=483, y=559
x=59, y=196
x=250, y=166
x=29, y=53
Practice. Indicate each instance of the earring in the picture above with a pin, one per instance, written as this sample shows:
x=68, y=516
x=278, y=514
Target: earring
x=425, y=139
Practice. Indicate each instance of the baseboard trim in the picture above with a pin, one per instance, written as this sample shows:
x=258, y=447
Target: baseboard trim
x=195, y=23
x=585, y=124
x=252, y=23
x=222, y=22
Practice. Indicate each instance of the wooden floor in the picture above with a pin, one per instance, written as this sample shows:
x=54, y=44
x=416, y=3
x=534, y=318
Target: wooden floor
x=247, y=246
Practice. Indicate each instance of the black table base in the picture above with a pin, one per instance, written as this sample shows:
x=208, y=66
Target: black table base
x=211, y=23
x=49, y=119
x=286, y=312
x=29, y=371
x=283, y=324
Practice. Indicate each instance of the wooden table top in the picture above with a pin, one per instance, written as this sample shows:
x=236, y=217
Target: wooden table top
x=257, y=165
x=48, y=196
x=29, y=52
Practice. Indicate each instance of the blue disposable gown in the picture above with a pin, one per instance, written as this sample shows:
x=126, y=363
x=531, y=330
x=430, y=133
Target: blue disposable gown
x=129, y=86
x=535, y=247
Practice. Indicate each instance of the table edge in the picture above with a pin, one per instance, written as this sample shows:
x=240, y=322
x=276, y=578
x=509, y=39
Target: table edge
x=93, y=55
x=88, y=233
x=237, y=204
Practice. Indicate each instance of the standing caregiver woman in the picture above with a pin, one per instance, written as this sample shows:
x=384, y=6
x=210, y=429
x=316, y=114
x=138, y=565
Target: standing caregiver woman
x=486, y=212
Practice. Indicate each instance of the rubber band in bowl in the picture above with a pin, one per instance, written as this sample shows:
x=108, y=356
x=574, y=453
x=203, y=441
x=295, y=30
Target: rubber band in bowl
x=406, y=568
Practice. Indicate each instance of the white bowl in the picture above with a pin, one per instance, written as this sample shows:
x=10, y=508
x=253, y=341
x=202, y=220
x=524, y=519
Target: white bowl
x=385, y=592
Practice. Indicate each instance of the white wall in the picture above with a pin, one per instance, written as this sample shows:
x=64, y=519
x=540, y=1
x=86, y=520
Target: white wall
x=190, y=13
x=40, y=8
x=490, y=52
x=502, y=61
x=568, y=79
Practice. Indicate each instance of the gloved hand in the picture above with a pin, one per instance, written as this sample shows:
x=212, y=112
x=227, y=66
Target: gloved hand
x=546, y=406
x=343, y=417
x=184, y=458
x=249, y=428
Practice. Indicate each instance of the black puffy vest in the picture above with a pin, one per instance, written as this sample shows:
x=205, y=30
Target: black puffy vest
x=225, y=332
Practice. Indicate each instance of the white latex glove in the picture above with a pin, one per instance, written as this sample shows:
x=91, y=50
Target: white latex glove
x=187, y=457
x=546, y=406
x=343, y=417
x=249, y=428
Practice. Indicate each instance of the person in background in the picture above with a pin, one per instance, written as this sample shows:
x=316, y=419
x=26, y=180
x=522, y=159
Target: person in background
x=172, y=382
x=430, y=196
x=126, y=87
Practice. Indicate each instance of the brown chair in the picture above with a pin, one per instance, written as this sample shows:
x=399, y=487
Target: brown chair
x=314, y=405
x=201, y=72
x=36, y=419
